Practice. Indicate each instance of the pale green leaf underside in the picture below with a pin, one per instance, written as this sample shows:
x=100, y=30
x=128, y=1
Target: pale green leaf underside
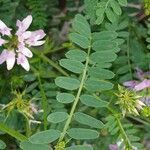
x=79, y=147
x=30, y=146
x=67, y=83
x=100, y=73
x=81, y=134
x=65, y=98
x=88, y=120
x=57, y=117
x=72, y=65
x=96, y=85
x=45, y=137
x=91, y=101
x=77, y=55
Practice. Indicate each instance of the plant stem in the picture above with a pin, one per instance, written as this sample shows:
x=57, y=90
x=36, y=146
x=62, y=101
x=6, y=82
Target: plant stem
x=44, y=102
x=76, y=99
x=12, y=132
x=128, y=55
x=123, y=133
x=28, y=129
x=125, y=137
x=53, y=64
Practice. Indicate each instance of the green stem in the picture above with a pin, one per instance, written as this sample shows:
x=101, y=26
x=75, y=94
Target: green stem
x=56, y=66
x=124, y=135
x=128, y=55
x=28, y=129
x=12, y=132
x=44, y=102
x=76, y=99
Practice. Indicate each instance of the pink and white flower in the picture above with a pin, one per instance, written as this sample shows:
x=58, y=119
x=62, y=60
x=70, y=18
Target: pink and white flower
x=22, y=41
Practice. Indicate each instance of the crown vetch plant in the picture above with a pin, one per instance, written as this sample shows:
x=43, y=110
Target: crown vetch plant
x=96, y=97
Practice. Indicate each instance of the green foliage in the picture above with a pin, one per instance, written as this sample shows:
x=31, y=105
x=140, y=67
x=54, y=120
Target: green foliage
x=8, y=10
x=73, y=99
x=104, y=8
x=148, y=39
x=127, y=132
x=38, y=12
x=2, y=145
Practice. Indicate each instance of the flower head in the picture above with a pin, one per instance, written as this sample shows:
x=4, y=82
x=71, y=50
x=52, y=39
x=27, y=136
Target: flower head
x=129, y=101
x=16, y=47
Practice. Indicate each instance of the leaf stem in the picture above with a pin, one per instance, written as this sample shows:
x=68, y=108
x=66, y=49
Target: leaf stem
x=76, y=99
x=12, y=132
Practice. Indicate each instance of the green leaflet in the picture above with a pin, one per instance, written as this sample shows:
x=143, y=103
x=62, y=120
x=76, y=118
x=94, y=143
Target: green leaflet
x=90, y=6
x=77, y=55
x=45, y=137
x=81, y=26
x=82, y=33
x=81, y=134
x=104, y=35
x=123, y=69
x=109, y=8
x=88, y=120
x=104, y=65
x=72, y=65
x=116, y=7
x=105, y=45
x=26, y=145
x=57, y=117
x=96, y=85
x=91, y=101
x=112, y=17
x=67, y=83
x=100, y=15
x=80, y=40
x=123, y=2
x=2, y=145
x=65, y=98
x=79, y=147
x=103, y=56
x=99, y=73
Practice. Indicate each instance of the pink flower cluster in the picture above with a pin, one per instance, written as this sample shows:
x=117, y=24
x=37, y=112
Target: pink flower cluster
x=16, y=47
x=143, y=83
